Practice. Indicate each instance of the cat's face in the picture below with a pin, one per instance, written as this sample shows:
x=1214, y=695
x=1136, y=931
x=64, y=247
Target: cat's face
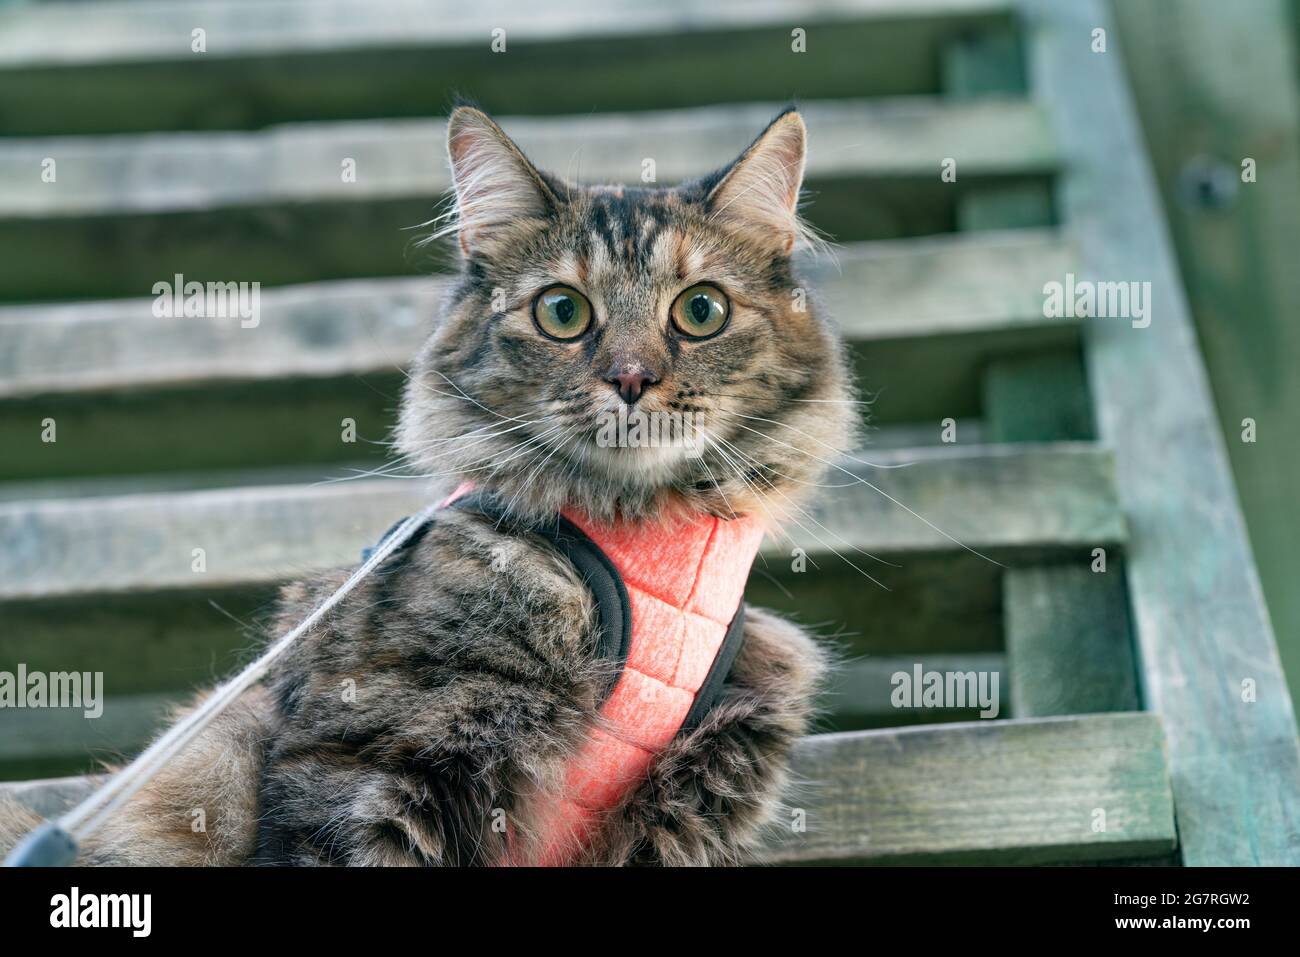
x=628, y=351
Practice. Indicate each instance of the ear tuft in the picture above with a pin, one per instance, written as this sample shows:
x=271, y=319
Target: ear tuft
x=494, y=182
x=760, y=190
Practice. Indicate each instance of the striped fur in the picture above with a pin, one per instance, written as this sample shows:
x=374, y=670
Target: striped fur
x=434, y=709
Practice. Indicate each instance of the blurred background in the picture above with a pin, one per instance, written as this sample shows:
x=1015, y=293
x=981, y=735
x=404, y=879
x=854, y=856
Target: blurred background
x=161, y=475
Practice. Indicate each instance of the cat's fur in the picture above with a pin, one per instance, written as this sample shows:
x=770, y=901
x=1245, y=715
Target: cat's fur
x=472, y=653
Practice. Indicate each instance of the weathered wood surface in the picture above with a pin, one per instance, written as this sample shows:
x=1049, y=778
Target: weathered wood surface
x=124, y=726
x=1004, y=792
x=997, y=498
x=1069, y=644
x=1039, y=397
x=89, y=67
x=993, y=792
x=274, y=207
x=1209, y=664
x=861, y=693
x=302, y=163
x=50, y=796
x=1215, y=85
x=987, y=288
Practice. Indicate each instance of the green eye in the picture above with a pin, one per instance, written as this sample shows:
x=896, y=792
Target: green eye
x=701, y=311
x=562, y=313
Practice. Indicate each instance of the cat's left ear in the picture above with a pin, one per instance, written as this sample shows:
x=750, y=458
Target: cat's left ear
x=760, y=190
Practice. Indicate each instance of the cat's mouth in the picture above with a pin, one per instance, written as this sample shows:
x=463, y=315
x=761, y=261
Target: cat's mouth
x=642, y=444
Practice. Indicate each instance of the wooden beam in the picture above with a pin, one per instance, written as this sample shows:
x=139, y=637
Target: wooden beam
x=273, y=207
x=1209, y=664
x=124, y=726
x=862, y=693
x=88, y=69
x=1069, y=644
x=996, y=792
x=1037, y=397
x=993, y=792
x=1206, y=107
x=1001, y=499
x=302, y=163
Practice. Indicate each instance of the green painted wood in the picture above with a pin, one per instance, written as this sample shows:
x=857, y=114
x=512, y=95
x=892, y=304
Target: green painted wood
x=1038, y=397
x=1023, y=205
x=993, y=792
x=975, y=64
x=1209, y=664
x=1215, y=84
x=983, y=62
x=1069, y=645
x=87, y=68
x=915, y=617
x=126, y=724
x=1004, y=498
x=1031, y=792
x=273, y=207
x=865, y=692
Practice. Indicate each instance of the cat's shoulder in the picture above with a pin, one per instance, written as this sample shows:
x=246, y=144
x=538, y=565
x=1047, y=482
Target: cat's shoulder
x=467, y=545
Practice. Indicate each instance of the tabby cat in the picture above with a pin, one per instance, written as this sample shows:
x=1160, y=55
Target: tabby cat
x=472, y=656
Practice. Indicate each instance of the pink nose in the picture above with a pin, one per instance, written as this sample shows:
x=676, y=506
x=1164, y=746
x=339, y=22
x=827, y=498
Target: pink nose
x=630, y=381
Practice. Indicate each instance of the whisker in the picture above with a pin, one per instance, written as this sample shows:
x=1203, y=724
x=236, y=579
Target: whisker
x=882, y=492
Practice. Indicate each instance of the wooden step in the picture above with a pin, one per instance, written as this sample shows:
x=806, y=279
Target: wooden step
x=1025, y=499
x=923, y=317
x=273, y=207
x=995, y=792
x=113, y=66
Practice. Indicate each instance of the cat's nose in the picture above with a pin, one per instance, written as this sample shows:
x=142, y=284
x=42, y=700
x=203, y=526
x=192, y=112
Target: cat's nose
x=630, y=379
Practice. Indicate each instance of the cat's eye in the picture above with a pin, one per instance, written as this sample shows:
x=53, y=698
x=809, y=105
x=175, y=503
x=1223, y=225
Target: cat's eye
x=562, y=312
x=701, y=311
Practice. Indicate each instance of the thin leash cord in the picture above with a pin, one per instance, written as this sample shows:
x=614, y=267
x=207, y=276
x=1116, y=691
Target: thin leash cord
x=86, y=817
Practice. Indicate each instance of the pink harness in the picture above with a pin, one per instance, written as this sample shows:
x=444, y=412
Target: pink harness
x=684, y=585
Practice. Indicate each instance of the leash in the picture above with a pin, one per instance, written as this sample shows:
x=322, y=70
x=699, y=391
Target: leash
x=56, y=843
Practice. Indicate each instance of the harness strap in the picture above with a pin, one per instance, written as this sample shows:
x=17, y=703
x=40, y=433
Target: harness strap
x=602, y=577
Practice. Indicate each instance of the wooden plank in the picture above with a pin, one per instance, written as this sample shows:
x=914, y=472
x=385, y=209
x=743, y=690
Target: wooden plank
x=996, y=792
x=1006, y=206
x=916, y=290
x=1069, y=645
x=1212, y=92
x=92, y=68
x=992, y=792
x=1209, y=664
x=1039, y=397
x=273, y=207
x=302, y=163
x=862, y=692
x=51, y=796
x=125, y=725
x=1001, y=498
x=130, y=391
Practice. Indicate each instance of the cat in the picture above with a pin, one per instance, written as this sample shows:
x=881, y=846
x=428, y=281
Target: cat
x=472, y=651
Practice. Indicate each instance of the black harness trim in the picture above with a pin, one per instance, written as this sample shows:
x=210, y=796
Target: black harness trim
x=607, y=587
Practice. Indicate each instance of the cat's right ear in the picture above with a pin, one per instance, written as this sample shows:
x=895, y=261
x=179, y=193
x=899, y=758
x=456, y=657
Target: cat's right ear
x=495, y=183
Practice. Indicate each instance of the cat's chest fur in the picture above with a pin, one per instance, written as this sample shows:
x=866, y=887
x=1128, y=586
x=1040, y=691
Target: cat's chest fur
x=467, y=667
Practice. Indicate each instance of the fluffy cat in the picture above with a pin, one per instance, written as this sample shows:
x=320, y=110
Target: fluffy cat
x=472, y=652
